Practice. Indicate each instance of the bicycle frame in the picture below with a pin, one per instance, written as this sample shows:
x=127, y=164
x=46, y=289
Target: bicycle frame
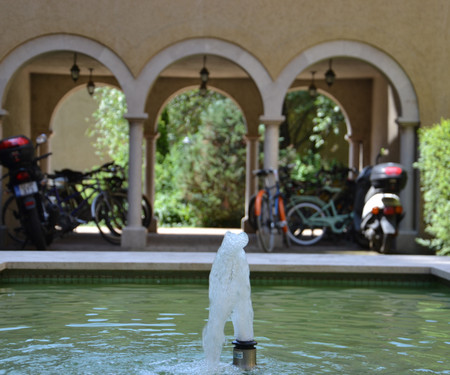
x=274, y=215
x=332, y=218
x=275, y=201
x=74, y=206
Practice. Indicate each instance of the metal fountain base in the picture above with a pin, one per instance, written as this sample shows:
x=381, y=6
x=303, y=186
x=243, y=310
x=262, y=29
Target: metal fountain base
x=244, y=354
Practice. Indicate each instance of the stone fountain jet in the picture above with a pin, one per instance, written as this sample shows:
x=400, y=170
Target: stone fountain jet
x=229, y=296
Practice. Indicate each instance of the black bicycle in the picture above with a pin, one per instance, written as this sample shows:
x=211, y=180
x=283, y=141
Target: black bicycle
x=98, y=196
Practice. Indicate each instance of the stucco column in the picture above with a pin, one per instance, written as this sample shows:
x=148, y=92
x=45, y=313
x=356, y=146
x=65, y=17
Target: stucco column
x=150, y=175
x=44, y=148
x=408, y=230
x=134, y=235
x=271, y=150
x=3, y=233
x=251, y=183
x=271, y=141
x=353, y=154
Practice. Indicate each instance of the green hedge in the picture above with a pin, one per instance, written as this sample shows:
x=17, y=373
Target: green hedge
x=434, y=165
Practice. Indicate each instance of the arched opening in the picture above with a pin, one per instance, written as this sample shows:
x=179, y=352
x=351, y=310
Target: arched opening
x=368, y=101
x=226, y=78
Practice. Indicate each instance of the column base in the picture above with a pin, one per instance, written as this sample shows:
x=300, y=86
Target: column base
x=406, y=243
x=134, y=238
x=246, y=226
x=3, y=237
x=153, y=227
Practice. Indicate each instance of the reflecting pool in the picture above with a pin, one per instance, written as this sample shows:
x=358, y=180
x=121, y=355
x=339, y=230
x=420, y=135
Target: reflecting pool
x=157, y=329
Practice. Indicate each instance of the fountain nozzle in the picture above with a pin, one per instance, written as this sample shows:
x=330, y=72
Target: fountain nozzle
x=244, y=354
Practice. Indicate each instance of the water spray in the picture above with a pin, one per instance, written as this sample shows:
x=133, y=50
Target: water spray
x=229, y=295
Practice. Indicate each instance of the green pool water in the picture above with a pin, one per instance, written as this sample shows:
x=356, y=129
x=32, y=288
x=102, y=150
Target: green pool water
x=156, y=329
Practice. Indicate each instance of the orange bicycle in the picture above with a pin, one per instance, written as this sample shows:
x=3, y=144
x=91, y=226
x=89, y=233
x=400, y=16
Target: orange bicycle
x=269, y=211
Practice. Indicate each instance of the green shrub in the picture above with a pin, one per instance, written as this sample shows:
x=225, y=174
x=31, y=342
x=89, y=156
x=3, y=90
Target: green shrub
x=433, y=163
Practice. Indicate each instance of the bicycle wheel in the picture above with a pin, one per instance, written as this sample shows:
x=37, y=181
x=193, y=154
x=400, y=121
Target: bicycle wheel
x=34, y=229
x=264, y=222
x=147, y=212
x=302, y=223
x=146, y=207
x=11, y=219
x=251, y=213
x=110, y=217
x=283, y=223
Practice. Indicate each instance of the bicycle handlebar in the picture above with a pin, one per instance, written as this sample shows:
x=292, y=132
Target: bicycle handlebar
x=263, y=172
x=43, y=156
x=103, y=168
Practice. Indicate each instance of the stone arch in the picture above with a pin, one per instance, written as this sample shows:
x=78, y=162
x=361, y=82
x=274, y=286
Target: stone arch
x=154, y=107
x=63, y=42
x=361, y=51
x=202, y=46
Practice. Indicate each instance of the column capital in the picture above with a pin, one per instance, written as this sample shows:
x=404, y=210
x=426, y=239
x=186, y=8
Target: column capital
x=407, y=123
x=152, y=136
x=136, y=117
x=251, y=138
x=352, y=138
x=266, y=120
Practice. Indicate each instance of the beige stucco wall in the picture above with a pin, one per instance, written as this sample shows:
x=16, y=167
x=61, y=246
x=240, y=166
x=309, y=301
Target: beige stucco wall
x=18, y=120
x=414, y=32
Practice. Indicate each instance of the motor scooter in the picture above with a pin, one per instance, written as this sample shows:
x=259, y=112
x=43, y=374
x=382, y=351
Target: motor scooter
x=27, y=209
x=377, y=209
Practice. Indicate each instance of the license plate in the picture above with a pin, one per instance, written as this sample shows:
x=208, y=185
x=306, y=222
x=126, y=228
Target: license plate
x=26, y=189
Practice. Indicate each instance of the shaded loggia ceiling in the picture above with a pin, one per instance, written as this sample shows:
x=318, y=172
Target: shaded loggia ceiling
x=61, y=62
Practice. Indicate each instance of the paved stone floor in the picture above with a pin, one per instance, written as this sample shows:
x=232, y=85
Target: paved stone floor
x=190, y=239
x=195, y=251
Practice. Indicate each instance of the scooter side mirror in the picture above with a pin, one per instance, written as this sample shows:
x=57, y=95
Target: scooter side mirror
x=383, y=152
x=42, y=138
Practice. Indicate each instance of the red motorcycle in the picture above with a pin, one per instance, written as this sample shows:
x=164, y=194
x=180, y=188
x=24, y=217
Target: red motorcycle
x=27, y=214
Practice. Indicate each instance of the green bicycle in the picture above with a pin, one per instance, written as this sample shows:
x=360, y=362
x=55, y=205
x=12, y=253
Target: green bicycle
x=310, y=217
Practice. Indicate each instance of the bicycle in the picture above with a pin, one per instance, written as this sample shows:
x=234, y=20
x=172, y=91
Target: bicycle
x=269, y=211
x=309, y=217
x=97, y=196
x=110, y=209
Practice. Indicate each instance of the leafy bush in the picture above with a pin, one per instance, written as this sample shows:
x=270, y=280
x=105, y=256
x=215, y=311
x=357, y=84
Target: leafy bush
x=214, y=167
x=200, y=171
x=433, y=163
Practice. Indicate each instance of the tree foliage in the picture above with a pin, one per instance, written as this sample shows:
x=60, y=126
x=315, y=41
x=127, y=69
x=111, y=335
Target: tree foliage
x=201, y=175
x=433, y=163
x=110, y=130
x=312, y=136
x=310, y=121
